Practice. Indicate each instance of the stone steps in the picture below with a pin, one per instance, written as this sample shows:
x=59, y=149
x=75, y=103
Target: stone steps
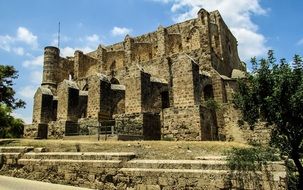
x=16, y=149
x=10, y=155
x=90, y=169
x=81, y=155
x=63, y=163
x=178, y=164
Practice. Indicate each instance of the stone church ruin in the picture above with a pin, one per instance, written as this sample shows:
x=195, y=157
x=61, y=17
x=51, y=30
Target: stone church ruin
x=154, y=86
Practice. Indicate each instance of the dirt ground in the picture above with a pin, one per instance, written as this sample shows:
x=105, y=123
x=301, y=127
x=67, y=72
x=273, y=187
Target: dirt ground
x=143, y=149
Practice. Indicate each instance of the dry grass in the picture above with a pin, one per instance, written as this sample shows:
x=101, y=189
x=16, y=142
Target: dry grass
x=143, y=149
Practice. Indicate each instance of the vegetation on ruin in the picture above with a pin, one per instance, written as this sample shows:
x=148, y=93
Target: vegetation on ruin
x=9, y=126
x=250, y=159
x=273, y=92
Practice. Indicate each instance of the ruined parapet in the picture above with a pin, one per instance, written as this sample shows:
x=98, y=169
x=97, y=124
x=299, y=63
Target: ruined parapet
x=101, y=55
x=50, y=66
x=162, y=41
x=128, y=48
x=84, y=65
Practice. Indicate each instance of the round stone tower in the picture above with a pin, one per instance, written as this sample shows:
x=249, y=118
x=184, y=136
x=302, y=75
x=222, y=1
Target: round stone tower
x=50, y=66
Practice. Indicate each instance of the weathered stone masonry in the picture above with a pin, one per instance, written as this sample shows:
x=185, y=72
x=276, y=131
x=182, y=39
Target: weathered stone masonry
x=154, y=86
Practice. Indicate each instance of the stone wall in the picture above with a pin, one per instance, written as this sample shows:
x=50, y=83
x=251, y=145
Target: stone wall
x=99, y=98
x=145, y=126
x=84, y=65
x=68, y=100
x=183, y=82
x=137, y=91
x=182, y=123
x=43, y=106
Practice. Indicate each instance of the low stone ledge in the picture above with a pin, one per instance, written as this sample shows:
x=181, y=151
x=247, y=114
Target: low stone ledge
x=40, y=149
x=178, y=164
x=10, y=157
x=16, y=149
x=60, y=162
x=211, y=158
x=82, y=155
x=166, y=171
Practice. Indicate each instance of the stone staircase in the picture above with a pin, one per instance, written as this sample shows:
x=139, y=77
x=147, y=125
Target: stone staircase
x=10, y=155
x=121, y=170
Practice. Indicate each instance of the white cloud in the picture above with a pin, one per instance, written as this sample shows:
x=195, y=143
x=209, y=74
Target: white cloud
x=69, y=51
x=12, y=43
x=85, y=44
x=27, y=91
x=237, y=15
x=5, y=42
x=250, y=43
x=24, y=35
x=63, y=39
x=19, y=50
x=36, y=77
x=300, y=42
x=35, y=62
x=120, y=31
x=93, y=38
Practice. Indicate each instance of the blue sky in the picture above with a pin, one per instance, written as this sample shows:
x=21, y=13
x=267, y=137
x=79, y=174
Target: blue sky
x=26, y=27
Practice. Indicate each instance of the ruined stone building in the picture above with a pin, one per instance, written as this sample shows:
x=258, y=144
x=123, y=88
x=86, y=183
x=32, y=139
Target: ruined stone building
x=158, y=85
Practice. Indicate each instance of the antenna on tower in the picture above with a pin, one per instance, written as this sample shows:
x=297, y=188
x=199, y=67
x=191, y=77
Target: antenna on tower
x=59, y=35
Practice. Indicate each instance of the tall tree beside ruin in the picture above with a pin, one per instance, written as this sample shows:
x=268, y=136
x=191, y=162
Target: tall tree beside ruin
x=273, y=93
x=9, y=126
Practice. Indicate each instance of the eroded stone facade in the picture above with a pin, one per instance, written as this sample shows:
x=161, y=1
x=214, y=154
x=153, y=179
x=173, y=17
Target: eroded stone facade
x=154, y=86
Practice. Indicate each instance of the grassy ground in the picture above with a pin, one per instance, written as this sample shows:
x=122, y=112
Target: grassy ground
x=143, y=149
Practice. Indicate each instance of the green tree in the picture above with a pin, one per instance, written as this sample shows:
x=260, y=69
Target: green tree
x=273, y=93
x=9, y=126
